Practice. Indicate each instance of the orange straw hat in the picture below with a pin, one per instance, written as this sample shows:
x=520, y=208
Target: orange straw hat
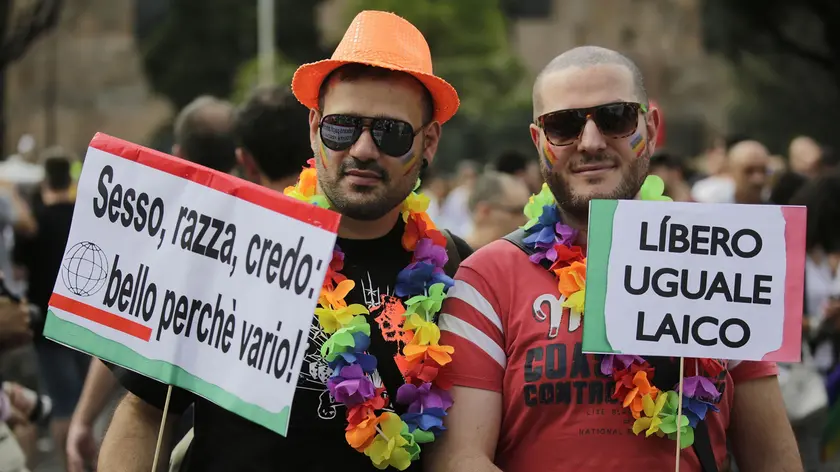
x=380, y=39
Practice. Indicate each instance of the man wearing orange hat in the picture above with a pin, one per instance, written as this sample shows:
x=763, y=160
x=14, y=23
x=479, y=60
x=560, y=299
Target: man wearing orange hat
x=376, y=111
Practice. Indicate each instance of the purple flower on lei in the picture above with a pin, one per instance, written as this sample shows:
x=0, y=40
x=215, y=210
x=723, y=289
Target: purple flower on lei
x=351, y=386
x=699, y=387
x=418, y=276
x=356, y=356
x=428, y=251
x=613, y=362
x=427, y=406
x=547, y=233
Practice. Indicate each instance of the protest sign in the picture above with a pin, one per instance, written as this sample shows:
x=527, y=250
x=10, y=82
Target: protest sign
x=695, y=280
x=192, y=277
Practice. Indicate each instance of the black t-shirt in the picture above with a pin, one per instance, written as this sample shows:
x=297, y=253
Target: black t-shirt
x=43, y=252
x=225, y=442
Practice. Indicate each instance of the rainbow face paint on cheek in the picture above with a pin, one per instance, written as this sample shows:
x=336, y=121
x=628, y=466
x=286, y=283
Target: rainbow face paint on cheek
x=324, y=153
x=548, y=154
x=409, y=160
x=637, y=144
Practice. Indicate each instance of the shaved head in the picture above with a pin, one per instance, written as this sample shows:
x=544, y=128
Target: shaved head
x=583, y=57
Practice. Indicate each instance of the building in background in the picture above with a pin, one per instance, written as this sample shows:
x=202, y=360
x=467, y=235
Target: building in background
x=85, y=76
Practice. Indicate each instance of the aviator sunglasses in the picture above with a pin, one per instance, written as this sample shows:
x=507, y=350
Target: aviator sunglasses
x=392, y=137
x=614, y=120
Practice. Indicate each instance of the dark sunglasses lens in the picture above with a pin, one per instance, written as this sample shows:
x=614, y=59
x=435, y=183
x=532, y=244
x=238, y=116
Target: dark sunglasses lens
x=394, y=137
x=339, y=132
x=563, y=127
x=617, y=119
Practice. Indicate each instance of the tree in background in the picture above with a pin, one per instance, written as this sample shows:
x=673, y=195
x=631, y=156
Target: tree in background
x=20, y=26
x=786, y=58
x=198, y=46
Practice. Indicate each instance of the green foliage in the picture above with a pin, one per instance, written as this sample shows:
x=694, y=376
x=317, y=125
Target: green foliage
x=786, y=59
x=247, y=77
x=199, y=45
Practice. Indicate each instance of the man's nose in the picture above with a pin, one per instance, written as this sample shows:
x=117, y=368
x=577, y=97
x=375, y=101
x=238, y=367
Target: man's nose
x=591, y=140
x=364, y=149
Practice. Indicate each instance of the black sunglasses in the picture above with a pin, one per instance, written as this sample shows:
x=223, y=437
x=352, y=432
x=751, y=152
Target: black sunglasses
x=392, y=137
x=614, y=120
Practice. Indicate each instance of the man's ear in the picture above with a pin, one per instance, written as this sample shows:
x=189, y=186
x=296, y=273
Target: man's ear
x=431, y=140
x=535, y=135
x=246, y=162
x=652, y=120
x=314, y=122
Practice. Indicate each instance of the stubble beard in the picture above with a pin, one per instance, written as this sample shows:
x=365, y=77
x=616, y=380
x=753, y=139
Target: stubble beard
x=576, y=206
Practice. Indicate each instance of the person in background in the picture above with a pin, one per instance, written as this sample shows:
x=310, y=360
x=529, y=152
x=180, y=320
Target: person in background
x=455, y=211
x=496, y=205
x=821, y=323
x=204, y=134
x=785, y=187
x=672, y=170
x=748, y=166
x=804, y=156
x=518, y=165
x=268, y=129
x=718, y=187
x=62, y=369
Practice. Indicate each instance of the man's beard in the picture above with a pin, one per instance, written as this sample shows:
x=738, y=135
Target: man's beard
x=577, y=206
x=378, y=205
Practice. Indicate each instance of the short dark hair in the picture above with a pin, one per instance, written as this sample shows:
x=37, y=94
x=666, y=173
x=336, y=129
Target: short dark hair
x=786, y=187
x=821, y=196
x=57, y=171
x=204, y=132
x=272, y=126
x=586, y=56
x=354, y=71
x=511, y=162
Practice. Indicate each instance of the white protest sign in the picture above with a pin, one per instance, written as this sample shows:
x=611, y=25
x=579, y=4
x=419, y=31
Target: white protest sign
x=192, y=277
x=695, y=280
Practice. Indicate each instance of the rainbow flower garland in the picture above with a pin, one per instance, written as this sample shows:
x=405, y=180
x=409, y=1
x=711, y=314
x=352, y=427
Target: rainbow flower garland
x=655, y=411
x=388, y=439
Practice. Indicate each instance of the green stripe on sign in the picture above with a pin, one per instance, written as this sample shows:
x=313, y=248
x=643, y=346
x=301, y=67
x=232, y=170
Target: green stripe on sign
x=601, y=213
x=83, y=339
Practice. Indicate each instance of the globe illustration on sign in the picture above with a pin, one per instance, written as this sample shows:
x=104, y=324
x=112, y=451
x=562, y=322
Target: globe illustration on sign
x=84, y=269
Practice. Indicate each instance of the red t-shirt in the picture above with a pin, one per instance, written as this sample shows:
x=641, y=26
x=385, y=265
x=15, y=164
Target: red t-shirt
x=511, y=336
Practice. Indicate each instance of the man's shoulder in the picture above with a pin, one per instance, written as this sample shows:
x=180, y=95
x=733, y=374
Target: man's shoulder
x=498, y=255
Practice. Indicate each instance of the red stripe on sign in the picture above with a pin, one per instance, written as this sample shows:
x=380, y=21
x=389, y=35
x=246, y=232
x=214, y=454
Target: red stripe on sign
x=102, y=317
x=234, y=186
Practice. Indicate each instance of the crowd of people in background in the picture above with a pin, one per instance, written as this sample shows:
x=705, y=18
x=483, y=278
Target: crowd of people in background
x=266, y=140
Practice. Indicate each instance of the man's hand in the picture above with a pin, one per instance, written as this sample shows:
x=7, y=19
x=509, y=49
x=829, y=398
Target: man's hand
x=14, y=322
x=81, y=447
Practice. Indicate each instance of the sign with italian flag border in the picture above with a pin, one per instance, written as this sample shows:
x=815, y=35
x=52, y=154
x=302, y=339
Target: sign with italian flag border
x=192, y=277
x=720, y=281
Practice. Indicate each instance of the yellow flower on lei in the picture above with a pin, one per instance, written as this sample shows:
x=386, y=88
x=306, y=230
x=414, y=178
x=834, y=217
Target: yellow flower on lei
x=425, y=332
x=335, y=297
x=415, y=203
x=651, y=420
x=388, y=447
x=333, y=319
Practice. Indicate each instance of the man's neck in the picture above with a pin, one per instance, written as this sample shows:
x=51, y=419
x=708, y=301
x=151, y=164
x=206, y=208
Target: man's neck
x=280, y=184
x=581, y=225
x=350, y=228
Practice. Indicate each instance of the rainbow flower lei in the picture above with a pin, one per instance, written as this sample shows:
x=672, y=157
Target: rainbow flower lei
x=655, y=411
x=387, y=438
